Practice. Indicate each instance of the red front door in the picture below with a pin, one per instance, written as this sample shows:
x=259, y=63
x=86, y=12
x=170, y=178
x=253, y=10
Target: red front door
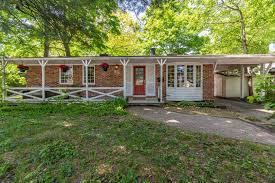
x=139, y=80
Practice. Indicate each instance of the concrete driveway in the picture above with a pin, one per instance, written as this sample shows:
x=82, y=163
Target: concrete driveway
x=225, y=127
x=243, y=107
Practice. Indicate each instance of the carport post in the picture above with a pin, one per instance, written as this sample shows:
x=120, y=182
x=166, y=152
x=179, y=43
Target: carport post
x=161, y=63
x=124, y=62
x=242, y=83
x=86, y=64
x=3, y=66
x=43, y=65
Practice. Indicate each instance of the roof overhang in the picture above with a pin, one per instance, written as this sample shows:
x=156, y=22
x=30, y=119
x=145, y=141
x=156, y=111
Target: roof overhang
x=207, y=59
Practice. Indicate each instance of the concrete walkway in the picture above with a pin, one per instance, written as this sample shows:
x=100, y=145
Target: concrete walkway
x=225, y=127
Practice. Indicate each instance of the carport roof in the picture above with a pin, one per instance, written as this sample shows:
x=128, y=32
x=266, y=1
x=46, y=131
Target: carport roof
x=211, y=59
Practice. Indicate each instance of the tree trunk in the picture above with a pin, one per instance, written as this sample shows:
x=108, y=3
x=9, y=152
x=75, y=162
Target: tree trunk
x=245, y=49
x=243, y=33
x=250, y=85
x=67, y=49
x=46, y=46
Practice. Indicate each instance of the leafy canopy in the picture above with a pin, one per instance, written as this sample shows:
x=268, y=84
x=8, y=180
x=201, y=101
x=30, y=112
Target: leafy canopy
x=167, y=29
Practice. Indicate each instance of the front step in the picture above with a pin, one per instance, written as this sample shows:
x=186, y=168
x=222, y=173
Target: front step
x=143, y=101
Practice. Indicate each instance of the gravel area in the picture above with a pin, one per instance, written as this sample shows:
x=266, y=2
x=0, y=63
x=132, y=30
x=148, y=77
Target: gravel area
x=225, y=127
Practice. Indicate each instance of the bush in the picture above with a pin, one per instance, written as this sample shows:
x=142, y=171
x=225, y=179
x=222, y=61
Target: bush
x=106, y=108
x=265, y=88
x=270, y=105
x=196, y=104
x=254, y=99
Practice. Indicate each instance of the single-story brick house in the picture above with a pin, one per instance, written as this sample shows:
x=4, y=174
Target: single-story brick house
x=150, y=79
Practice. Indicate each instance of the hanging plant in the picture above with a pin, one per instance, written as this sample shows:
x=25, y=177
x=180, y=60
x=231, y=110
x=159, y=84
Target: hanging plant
x=104, y=66
x=64, y=68
x=22, y=68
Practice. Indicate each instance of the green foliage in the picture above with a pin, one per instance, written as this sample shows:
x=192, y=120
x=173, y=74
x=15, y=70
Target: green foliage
x=222, y=22
x=82, y=24
x=56, y=151
x=265, y=87
x=254, y=99
x=194, y=104
x=270, y=105
x=4, y=168
x=250, y=99
x=126, y=43
x=167, y=29
x=111, y=107
x=93, y=143
x=12, y=77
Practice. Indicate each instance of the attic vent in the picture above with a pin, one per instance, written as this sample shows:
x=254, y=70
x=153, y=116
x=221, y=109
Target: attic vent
x=104, y=55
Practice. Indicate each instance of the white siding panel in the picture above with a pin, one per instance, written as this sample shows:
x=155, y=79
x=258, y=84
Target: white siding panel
x=150, y=80
x=129, y=80
x=233, y=87
x=187, y=94
x=218, y=85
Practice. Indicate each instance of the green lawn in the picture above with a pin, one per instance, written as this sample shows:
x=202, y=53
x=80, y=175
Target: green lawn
x=103, y=143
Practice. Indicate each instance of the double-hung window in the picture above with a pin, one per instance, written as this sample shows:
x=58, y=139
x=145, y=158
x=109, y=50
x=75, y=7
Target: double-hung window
x=171, y=75
x=184, y=75
x=66, y=76
x=190, y=76
x=91, y=75
x=198, y=75
x=180, y=75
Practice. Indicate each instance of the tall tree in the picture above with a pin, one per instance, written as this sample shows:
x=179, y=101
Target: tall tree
x=237, y=26
x=84, y=22
x=166, y=28
x=127, y=42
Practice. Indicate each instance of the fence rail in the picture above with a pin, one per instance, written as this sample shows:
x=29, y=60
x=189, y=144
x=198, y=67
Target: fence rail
x=38, y=94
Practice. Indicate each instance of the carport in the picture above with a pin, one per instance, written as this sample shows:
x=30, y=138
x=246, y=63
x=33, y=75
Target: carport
x=240, y=66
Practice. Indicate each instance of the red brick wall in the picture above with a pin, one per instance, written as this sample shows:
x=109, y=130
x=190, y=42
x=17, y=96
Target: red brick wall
x=34, y=76
x=208, y=82
x=111, y=78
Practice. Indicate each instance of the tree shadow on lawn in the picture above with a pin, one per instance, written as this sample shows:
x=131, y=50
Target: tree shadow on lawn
x=84, y=145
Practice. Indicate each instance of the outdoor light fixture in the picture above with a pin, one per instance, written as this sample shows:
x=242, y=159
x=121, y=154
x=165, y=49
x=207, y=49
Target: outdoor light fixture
x=116, y=67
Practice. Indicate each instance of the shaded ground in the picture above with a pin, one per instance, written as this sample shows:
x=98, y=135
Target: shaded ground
x=101, y=142
x=250, y=109
x=225, y=127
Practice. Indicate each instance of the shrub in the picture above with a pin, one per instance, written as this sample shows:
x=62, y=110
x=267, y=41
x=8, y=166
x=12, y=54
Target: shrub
x=265, y=88
x=106, y=108
x=270, y=105
x=254, y=99
x=196, y=104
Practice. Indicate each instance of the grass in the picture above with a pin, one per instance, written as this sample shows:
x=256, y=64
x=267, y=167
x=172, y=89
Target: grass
x=103, y=143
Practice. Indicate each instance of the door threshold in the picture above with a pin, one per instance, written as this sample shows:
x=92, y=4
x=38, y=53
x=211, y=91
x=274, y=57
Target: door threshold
x=139, y=95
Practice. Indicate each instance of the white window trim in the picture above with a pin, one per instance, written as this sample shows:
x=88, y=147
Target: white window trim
x=185, y=74
x=195, y=76
x=72, y=76
x=167, y=75
x=83, y=72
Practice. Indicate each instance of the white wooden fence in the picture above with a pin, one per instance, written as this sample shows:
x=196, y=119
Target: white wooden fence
x=35, y=94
